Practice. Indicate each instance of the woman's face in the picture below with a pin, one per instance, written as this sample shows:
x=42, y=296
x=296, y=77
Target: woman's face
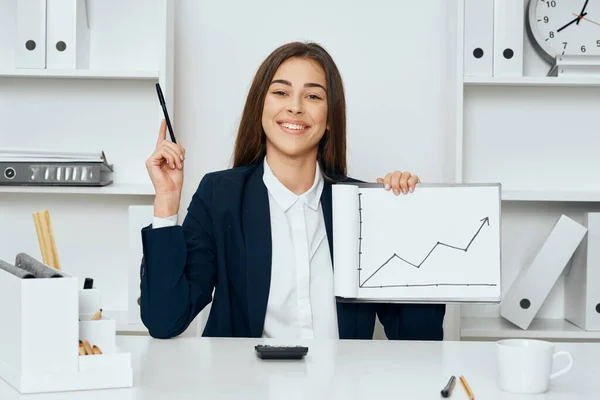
x=295, y=112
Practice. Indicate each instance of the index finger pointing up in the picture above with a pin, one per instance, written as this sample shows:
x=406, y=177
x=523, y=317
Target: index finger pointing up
x=162, y=132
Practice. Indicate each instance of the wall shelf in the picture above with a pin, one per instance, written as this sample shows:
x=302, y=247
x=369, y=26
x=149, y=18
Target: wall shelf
x=79, y=74
x=551, y=195
x=136, y=189
x=531, y=81
x=496, y=328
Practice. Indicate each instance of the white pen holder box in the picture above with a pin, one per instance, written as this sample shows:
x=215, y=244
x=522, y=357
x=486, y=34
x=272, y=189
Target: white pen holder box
x=39, y=338
x=90, y=301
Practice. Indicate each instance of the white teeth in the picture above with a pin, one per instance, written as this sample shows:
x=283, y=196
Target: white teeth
x=293, y=126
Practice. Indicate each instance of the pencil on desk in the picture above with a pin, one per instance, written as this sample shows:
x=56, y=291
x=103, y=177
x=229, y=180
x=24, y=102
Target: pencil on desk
x=465, y=385
x=43, y=227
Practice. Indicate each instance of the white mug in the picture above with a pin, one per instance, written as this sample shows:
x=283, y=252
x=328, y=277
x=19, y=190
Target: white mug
x=525, y=365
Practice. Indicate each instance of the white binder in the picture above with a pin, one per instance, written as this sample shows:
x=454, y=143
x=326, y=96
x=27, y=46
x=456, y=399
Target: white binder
x=30, y=48
x=478, y=37
x=68, y=36
x=582, y=282
x=509, y=28
x=531, y=287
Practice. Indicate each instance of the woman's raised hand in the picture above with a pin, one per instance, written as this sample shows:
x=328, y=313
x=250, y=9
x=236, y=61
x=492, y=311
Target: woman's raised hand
x=165, y=167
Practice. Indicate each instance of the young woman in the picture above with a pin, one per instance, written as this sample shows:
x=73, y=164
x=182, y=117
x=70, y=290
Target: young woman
x=260, y=234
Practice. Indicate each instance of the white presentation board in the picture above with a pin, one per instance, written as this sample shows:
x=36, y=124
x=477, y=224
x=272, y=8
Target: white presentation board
x=440, y=243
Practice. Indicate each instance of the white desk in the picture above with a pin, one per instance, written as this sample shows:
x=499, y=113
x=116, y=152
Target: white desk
x=196, y=368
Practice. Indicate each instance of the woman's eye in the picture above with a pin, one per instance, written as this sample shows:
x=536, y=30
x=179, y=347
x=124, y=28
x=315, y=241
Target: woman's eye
x=279, y=93
x=314, y=97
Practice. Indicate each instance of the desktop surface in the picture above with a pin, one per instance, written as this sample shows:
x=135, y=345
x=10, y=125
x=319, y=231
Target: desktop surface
x=203, y=368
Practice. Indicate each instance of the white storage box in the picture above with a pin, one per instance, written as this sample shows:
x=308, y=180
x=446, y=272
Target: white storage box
x=101, y=333
x=90, y=301
x=40, y=333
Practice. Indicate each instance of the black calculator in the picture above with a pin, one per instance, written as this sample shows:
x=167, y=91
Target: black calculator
x=271, y=352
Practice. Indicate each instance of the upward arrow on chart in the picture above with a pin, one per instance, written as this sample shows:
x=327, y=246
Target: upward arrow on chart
x=485, y=221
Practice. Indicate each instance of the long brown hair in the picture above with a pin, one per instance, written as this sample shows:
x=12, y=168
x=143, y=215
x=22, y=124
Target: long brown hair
x=250, y=144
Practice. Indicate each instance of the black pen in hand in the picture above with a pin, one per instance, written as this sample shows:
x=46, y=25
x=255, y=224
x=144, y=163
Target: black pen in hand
x=161, y=99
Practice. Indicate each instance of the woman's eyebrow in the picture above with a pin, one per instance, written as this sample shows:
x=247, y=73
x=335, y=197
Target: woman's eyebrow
x=306, y=85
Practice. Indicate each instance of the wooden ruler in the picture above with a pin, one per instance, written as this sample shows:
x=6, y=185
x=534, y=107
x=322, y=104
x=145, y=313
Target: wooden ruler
x=43, y=227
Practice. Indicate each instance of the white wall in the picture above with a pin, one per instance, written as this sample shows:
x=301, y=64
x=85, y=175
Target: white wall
x=399, y=71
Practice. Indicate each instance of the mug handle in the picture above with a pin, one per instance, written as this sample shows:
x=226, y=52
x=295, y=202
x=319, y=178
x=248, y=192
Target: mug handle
x=565, y=369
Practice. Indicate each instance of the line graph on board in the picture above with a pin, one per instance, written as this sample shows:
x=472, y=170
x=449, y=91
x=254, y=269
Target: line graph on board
x=362, y=284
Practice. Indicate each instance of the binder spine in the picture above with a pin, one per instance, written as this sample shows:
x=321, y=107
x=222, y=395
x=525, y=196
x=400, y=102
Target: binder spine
x=478, y=37
x=68, y=34
x=509, y=29
x=30, y=46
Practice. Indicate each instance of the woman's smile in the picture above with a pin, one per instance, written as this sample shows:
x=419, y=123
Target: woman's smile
x=293, y=127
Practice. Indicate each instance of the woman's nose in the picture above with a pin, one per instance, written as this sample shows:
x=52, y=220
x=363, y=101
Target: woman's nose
x=295, y=107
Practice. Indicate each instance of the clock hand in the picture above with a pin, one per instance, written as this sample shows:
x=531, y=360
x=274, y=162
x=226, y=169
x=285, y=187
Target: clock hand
x=589, y=20
x=569, y=23
x=582, y=10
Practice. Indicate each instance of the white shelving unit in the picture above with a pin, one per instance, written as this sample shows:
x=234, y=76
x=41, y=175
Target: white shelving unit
x=110, y=106
x=537, y=136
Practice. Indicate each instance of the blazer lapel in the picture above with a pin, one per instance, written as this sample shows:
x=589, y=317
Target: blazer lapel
x=256, y=222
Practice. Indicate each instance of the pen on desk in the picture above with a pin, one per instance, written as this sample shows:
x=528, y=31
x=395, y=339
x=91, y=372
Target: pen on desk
x=161, y=99
x=467, y=388
x=447, y=391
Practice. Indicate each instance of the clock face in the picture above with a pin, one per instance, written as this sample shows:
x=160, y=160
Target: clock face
x=565, y=27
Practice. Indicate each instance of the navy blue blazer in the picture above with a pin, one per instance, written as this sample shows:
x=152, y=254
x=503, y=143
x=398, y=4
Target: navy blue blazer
x=224, y=244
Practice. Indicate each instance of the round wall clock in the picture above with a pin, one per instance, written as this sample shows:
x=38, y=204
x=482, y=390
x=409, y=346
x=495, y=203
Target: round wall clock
x=564, y=27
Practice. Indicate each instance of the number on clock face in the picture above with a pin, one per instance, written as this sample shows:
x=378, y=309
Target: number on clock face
x=568, y=26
